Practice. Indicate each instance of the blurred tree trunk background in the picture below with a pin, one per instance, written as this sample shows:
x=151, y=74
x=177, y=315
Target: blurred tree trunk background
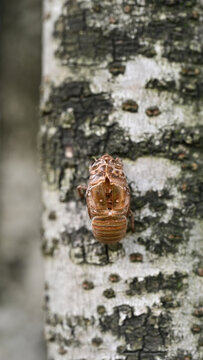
x=21, y=283
x=124, y=78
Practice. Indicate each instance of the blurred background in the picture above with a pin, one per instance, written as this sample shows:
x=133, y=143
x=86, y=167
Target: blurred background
x=21, y=266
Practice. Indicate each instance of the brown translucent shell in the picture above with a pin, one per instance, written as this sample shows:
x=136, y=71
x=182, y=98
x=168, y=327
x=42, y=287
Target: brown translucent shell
x=108, y=199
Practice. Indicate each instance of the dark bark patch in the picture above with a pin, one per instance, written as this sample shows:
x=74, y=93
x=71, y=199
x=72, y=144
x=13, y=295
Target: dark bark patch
x=172, y=3
x=166, y=237
x=174, y=283
x=84, y=249
x=190, y=71
x=134, y=356
x=143, y=334
x=161, y=84
x=77, y=96
x=153, y=356
x=109, y=293
x=78, y=40
x=97, y=341
x=64, y=129
x=169, y=301
x=182, y=355
x=191, y=83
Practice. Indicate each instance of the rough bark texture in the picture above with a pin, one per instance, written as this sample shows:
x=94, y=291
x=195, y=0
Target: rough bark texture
x=123, y=77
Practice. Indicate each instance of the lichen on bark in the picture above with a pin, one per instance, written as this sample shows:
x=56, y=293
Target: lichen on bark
x=123, y=77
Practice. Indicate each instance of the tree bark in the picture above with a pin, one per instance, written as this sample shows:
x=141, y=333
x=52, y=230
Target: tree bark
x=124, y=78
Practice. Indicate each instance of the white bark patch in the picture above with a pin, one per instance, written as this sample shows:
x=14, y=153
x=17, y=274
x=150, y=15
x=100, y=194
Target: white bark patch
x=150, y=173
x=131, y=85
x=68, y=215
x=68, y=296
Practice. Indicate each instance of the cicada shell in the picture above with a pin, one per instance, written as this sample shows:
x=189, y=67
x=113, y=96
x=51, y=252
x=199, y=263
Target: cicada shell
x=108, y=199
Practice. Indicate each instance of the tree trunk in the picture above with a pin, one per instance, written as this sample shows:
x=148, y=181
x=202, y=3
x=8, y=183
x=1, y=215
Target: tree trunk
x=124, y=78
